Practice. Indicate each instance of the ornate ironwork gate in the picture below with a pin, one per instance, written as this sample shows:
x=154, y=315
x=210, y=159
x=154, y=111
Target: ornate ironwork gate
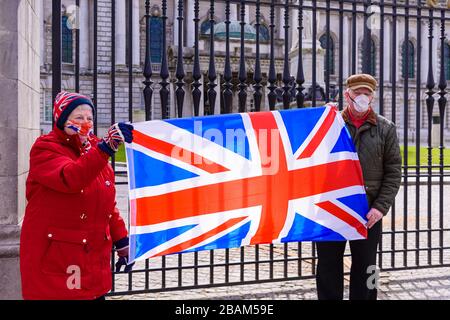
x=416, y=233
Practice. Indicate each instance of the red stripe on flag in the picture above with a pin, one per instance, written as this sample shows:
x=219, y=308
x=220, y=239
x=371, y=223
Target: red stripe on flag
x=244, y=193
x=176, y=152
x=192, y=242
x=275, y=168
x=344, y=216
x=318, y=137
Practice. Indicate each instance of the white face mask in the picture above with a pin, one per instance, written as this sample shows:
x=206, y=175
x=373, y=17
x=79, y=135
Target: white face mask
x=361, y=103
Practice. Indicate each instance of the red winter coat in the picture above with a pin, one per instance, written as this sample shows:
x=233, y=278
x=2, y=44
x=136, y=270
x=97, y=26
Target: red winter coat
x=70, y=221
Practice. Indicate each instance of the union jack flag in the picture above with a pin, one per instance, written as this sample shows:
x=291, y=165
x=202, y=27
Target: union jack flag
x=242, y=179
x=64, y=98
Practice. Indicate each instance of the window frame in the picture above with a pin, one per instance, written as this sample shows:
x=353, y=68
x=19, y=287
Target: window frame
x=66, y=41
x=412, y=57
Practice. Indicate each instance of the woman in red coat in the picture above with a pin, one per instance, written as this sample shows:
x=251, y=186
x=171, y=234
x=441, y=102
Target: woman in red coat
x=71, y=220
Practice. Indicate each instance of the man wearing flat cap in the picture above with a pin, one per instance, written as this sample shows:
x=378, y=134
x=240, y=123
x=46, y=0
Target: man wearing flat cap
x=376, y=142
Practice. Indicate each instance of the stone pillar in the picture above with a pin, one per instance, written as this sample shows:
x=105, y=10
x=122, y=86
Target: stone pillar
x=19, y=127
x=189, y=24
x=294, y=28
x=307, y=54
x=201, y=109
x=120, y=32
x=42, y=30
x=425, y=50
x=233, y=12
x=235, y=105
x=84, y=35
x=265, y=100
x=218, y=94
x=436, y=42
x=188, y=105
x=280, y=23
x=358, y=46
x=136, y=32
x=175, y=23
x=172, y=100
x=247, y=14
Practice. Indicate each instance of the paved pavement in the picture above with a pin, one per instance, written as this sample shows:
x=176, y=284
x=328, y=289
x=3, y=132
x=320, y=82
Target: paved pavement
x=411, y=249
x=424, y=284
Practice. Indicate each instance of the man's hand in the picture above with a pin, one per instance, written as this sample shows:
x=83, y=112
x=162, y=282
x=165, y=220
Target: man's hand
x=333, y=105
x=373, y=217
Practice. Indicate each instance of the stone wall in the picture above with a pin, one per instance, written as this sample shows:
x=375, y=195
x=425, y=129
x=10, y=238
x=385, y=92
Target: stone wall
x=19, y=127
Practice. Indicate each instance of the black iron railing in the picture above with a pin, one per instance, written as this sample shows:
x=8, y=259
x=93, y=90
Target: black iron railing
x=415, y=233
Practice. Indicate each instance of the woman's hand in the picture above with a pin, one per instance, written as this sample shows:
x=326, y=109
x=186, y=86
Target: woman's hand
x=122, y=247
x=116, y=135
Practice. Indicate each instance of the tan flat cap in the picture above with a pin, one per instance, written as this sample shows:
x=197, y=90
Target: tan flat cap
x=362, y=80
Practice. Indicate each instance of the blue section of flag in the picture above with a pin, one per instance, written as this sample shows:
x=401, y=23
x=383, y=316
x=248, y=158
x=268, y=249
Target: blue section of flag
x=344, y=142
x=304, y=229
x=148, y=171
x=299, y=124
x=147, y=241
x=227, y=131
x=356, y=202
x=199, y=222
x=230, y=240
x=131, y=172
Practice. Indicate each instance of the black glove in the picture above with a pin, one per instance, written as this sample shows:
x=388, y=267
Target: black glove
x=116, y=135
x=122, y=251
x=123, y=261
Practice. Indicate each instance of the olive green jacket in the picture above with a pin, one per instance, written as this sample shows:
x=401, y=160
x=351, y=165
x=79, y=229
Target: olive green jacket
x=379, y=153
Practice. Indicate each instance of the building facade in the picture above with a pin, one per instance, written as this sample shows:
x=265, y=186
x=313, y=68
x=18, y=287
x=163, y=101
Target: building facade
x=405, y=67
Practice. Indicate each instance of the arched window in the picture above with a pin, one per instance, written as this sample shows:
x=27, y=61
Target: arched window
x=373, y=58
x=329, y=65
x=156, y=39
x=408, y=69
x=264, y=33
x=67, y=41
x=447, y=61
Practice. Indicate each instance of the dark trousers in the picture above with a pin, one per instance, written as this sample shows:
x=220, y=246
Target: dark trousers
x=330, y=267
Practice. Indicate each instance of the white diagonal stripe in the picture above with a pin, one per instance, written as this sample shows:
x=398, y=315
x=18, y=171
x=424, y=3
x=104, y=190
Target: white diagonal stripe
x=184, y=139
